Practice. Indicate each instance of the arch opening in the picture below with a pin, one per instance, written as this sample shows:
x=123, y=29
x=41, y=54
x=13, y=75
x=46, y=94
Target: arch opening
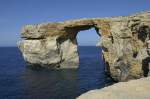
x=91, y=70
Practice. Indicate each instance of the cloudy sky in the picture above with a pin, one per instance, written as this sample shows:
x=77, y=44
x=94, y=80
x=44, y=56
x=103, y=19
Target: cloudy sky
x=16, y=13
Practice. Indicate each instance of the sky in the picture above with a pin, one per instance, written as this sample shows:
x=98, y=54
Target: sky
x=14, y=14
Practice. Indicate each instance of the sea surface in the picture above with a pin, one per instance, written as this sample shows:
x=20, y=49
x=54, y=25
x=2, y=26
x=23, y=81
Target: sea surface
x=17, y=81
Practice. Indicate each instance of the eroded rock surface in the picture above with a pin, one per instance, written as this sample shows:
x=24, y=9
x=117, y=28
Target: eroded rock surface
x=125, y=42
x=135, y=89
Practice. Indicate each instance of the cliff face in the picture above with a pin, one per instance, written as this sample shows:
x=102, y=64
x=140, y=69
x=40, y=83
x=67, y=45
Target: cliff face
x=125, y=42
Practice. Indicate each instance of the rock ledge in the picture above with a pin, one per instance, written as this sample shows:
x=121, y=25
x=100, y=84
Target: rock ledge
x=134, y=89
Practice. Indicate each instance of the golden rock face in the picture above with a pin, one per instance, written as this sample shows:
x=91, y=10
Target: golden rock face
x=125, y=42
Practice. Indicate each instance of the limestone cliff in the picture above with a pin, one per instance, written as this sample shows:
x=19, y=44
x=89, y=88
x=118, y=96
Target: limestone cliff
x=125, y=42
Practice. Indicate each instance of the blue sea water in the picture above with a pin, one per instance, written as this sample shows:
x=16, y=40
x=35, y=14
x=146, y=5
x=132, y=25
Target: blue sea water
x=17, y=81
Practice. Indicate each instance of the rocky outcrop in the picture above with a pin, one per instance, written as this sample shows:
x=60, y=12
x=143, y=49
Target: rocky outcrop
x=125, y=42
x=135, y=89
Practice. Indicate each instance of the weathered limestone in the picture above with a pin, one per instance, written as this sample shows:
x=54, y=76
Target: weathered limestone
x=134, y=89
x=125, y=42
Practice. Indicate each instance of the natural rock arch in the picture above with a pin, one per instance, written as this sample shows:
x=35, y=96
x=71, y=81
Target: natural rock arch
x=70, y=55
x=54, y=45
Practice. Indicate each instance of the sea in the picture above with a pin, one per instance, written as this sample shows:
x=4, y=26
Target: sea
x=18, y=81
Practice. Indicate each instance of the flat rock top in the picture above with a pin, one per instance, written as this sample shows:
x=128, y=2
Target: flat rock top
x=134, y=89
x=56, y=28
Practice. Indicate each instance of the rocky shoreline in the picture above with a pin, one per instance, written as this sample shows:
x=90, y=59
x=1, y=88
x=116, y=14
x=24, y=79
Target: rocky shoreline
x=133, y=89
